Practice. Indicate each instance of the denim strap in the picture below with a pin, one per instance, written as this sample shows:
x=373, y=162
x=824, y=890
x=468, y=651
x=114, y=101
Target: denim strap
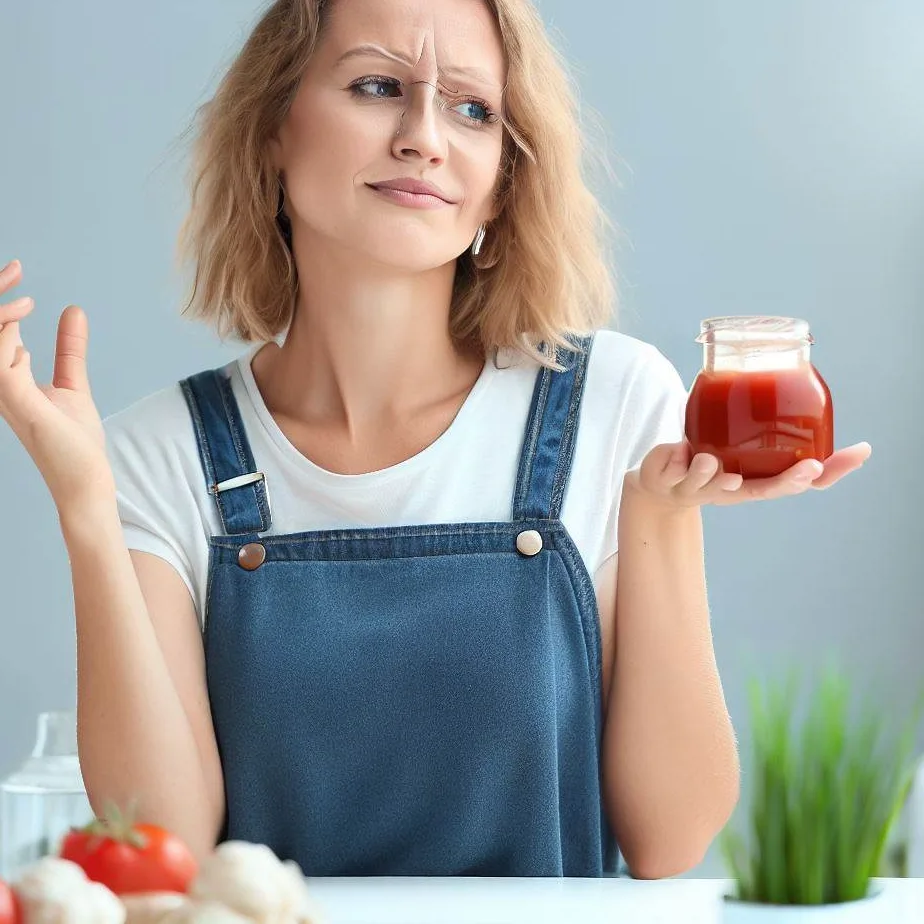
x=548, y=446
x=230, y=471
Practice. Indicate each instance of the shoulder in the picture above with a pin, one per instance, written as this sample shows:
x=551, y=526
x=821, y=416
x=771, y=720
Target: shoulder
x=634, y=398
x=160, y=486
x=155, y=431
x=151, y=415
x=623, y=359
x=154, y=437
x=160, y=418
x=629, y=373
x=628, y=384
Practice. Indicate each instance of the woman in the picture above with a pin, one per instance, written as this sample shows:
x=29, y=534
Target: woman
x=355, y=594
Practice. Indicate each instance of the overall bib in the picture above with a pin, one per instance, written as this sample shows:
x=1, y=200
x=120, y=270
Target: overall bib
x=420, y=700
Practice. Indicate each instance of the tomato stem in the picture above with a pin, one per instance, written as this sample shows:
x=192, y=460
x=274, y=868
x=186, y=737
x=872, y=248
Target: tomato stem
x=117, y=825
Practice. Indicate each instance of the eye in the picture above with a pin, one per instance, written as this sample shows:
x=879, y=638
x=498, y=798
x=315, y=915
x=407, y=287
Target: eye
x=475, y=110
x=376, y=87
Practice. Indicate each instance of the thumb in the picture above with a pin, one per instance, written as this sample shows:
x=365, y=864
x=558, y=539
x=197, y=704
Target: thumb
x=71, y=351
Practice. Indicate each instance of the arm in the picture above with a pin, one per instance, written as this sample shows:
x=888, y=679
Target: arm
x=144, y=729
x=144, y=724
x=670, y=763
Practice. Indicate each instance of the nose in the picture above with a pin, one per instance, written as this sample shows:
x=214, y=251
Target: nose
x=420, y=134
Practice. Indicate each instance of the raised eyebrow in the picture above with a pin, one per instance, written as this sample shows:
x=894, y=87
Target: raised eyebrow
x=365, y=51
x=471, y=73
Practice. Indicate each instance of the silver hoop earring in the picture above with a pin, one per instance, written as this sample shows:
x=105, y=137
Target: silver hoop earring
x=479, y=240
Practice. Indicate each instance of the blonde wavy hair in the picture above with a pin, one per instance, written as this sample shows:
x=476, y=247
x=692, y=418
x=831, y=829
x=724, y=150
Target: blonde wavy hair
x=542, y=276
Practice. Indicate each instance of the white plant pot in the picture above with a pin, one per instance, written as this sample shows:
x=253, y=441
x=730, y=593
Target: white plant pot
x=868, y=910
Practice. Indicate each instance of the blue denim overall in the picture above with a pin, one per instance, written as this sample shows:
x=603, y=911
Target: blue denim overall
x=422, y=700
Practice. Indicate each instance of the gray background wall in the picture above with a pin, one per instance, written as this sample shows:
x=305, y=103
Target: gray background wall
x=770, y=158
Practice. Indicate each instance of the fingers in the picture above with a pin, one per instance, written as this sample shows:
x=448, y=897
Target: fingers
x=705, y=479
x=15, y=310
x=71, y=351
x=669, y=471
x=10, y=343
x=666, y=465
x=795, y=480
x=11, y=348
x=842, y=463
x=808, y=473
x=702, y=469
x=10, y=275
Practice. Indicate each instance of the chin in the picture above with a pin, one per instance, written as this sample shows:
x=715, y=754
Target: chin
x=411, y=257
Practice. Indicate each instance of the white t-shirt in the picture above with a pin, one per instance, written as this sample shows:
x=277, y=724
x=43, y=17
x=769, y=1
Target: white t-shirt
x=633, y=400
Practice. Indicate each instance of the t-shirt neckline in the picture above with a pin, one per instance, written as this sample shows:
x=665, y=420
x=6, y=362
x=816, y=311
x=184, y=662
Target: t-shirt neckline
x=399, y=469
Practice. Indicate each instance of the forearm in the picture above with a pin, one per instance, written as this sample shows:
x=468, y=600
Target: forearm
x=670, y=757
x=135, y=739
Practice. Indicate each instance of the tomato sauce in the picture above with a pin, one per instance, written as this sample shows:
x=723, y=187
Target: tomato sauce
x=761, y=423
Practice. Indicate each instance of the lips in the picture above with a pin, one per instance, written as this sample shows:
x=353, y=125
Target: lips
x=415, y=187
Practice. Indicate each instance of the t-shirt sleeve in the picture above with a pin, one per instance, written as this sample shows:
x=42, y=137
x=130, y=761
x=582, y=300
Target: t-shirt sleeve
x=147, y=450
x=658, y=400
x=652, y=413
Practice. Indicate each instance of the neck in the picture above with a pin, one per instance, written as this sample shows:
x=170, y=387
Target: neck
x=367, y=341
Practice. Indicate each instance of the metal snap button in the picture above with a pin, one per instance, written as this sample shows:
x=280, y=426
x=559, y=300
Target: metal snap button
x=251, y=556
x=529, y=543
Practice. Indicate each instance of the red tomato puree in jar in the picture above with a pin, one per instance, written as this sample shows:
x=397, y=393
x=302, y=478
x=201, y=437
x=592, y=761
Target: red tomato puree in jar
x=758, y=403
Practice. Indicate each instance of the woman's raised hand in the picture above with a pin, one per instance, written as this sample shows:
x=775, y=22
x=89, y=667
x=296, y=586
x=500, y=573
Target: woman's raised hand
x=57, y=423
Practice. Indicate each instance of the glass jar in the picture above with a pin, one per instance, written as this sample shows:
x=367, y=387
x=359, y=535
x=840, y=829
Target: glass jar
x=759, y=404
x=44, y=799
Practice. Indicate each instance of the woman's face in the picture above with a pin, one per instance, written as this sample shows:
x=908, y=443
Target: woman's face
x=397, y=92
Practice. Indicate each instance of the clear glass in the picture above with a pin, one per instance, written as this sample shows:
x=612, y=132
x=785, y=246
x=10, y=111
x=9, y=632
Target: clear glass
x=45, y=798
x=759, y=404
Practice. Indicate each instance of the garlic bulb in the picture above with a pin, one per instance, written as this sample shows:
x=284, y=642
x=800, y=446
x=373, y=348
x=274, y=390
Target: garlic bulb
x=252, y=880
x=153, y=907
x=205, y=913
x=56, y=891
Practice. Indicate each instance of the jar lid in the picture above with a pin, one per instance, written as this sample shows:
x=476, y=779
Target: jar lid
x=754, y=327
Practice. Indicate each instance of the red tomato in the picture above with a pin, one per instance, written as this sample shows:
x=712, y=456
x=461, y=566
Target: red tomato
x=128, y=858
x=9, y=906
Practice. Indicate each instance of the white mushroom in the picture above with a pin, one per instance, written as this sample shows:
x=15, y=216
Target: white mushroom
x=252, y=880
x=56, y=891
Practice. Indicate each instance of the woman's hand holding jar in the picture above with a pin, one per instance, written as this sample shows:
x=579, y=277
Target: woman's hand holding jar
x=759, y=421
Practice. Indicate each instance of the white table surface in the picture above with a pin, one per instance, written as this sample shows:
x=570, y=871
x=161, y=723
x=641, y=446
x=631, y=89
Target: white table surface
x=563, y=901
